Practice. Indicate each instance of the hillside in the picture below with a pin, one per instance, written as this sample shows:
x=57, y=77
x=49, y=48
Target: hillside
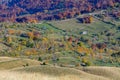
x=27, y=10
x=64, y=43
x=59, y=39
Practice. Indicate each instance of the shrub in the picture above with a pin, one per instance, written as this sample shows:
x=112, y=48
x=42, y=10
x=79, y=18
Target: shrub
x=30, y=44
x=39, y=59
x=27, y=64
x=85, y=62
x=117, y=54
x=44, y=63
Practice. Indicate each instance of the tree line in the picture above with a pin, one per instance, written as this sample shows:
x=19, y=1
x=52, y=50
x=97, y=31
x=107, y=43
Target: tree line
x=50, y=9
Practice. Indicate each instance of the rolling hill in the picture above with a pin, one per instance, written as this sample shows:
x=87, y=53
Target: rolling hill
x=45, y=72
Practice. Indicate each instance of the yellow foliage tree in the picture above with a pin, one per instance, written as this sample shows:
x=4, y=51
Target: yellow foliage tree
x=27, y=53
x=19, y=47
x=11, y=32
x=9, y=39
x=44, y=39
x=31, y=35
x=91, y=19
x=24, y=42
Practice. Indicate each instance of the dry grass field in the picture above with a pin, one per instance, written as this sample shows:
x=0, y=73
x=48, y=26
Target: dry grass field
x=38, y=76
x=7, y=63
x=48, y=72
